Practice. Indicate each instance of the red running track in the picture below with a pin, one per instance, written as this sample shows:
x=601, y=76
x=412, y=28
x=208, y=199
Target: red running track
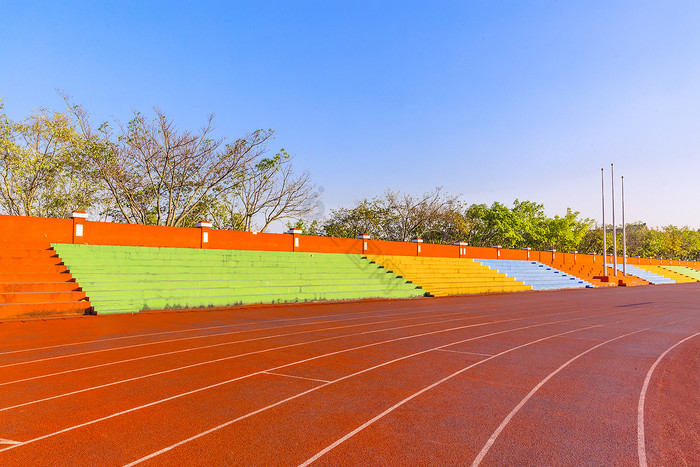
x=597, y=377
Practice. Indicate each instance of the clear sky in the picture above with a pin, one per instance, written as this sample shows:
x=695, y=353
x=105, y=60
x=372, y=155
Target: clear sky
x=493, y=100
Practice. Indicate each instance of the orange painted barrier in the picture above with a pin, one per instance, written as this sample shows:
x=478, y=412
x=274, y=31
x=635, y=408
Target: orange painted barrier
x=19, y=230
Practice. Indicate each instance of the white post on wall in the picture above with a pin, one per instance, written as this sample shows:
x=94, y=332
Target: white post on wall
x=462, y=248
x=528, y=249
x=295, y=235
x=417, y=241
x=204, y=228
x=498, y=251
x=79, y=218
x=364, y=238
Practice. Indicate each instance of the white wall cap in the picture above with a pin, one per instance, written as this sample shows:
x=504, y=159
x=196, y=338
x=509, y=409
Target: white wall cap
x=78, y=215
x=417, y=240
x=203, y=224
x=364, y=236
x=461, y=243
x=294, y=231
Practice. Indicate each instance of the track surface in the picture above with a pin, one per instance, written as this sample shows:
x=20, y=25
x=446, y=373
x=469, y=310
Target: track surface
x=583, y=377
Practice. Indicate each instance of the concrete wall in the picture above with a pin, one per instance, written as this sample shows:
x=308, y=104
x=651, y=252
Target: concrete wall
x=33, y=230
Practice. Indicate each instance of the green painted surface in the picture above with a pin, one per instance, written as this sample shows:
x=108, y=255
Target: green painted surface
x=690, y=272
x=120, y=279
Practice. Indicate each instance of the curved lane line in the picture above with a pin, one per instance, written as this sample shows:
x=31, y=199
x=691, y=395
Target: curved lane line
x=180, y=339
x=136, y=336
x=641, y=446
x=222, y=344
x=319, y=318
x=207, y=362
x=230, y=357
x=222, y=383
x=517, y=408
x=416, y=394
x=144, y=357
x=248, y=415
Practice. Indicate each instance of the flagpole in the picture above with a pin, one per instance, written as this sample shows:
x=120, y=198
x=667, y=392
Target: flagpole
x=624, y=230
x=612, y=178
x=605, y=236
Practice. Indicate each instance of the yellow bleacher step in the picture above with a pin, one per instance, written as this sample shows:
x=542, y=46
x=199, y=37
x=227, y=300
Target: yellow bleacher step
x=449, y=276
x=662, y=271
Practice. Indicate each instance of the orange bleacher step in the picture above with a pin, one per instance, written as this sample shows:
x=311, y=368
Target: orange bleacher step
x=43, y=310
x=13, y=277
x=19, y=287
x=31, y=267
x=8, y=254
x=40, y=297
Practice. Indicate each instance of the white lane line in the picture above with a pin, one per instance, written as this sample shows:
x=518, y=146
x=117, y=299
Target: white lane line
x=136, y=378
x=424, y=390
x=641, y=444
x=144, y=344
x=516, y=409
x=465, y=352
x=230, y=357
x=221, y=344
x=366, y=315
x=296, y=377
x=7, y=441
x=194, y=391
x=101, y=365
x=230, y=422
x=136, y=336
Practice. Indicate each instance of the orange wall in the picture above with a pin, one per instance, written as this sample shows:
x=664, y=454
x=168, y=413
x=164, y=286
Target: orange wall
x=381, y=247
x=235, y=240
x=105, y=233
x=16, y=231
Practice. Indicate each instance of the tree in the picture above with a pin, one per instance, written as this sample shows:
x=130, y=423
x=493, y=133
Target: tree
x=565, y=233
x=43, y=168
x=429, y=216
x=524, y=225
x=366, y=217
x=500, y=225
x=400, y=217
x=270, y=192
x=158, y=174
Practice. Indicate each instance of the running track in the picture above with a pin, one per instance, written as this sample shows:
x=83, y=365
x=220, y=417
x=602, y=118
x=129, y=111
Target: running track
x=581, y=377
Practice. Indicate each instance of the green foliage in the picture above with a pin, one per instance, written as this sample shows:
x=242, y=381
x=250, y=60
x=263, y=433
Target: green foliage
x=395, y=216
x=306, y=227
x=43, y=166
x=666, y=242
x=524, y=225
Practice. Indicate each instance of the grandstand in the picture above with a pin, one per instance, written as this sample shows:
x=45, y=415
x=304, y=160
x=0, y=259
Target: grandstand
x=63, y=267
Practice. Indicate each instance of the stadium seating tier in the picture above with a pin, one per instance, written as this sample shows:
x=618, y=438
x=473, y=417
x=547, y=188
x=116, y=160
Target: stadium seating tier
x=121, y=279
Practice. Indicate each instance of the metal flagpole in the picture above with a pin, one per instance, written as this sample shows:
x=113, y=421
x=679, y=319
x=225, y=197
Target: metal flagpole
x=612, y=178
x=624, y=230
x=605, y=239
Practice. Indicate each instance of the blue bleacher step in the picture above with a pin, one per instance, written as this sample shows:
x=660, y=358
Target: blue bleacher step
x=648, y=276
x=539, y=276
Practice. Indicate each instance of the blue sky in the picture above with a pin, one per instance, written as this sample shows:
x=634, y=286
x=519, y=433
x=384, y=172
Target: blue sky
x=492, y=100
